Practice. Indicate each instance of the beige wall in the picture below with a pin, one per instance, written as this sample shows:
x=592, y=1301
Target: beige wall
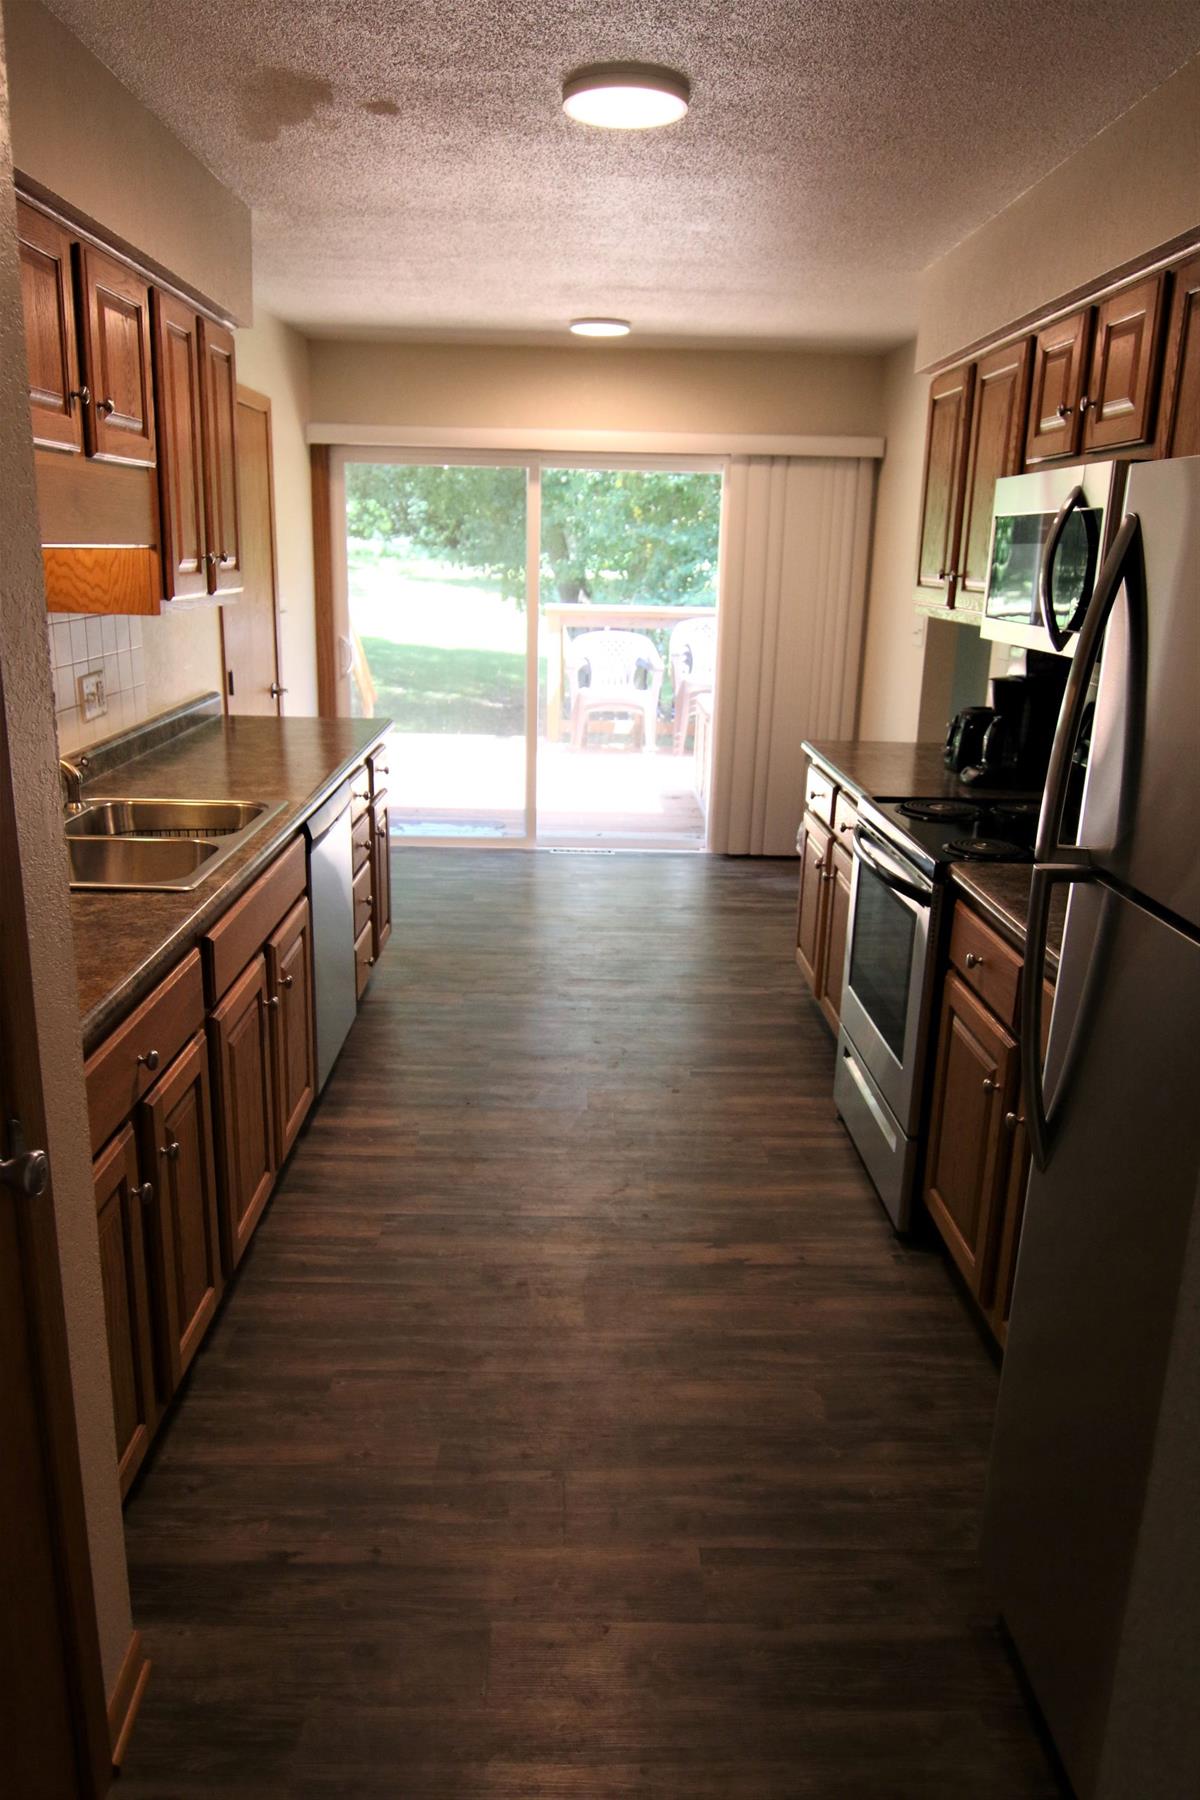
x=894, y=653
x=26, y=698
x=617, y=388
x=83, y=136
x=274, y=359
x=1132, y=188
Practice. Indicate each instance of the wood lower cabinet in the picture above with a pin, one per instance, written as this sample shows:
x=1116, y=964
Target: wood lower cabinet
x=56, y=402
x=974, y=1085
x=381, y=874
x=293, y=1033
x=836, y=879
x=243, y=1079
x=942, y=487
x=823, y=910
x=1179, y=417
x=121, y=1199
x=184, y=1247
x=117, y=361
x=812, y=910
x=1059, y=366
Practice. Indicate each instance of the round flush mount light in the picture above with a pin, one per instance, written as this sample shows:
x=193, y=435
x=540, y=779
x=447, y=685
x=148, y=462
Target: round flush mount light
x=600, y=328
x=626, y=96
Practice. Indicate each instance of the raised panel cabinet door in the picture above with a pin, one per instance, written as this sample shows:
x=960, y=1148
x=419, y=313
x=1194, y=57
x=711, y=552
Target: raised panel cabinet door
x=1010, y=1226
x=240, y=1040
x=293, y=1031
x=836, y=879
x=381, y=880
x=121, y=1200
x=218, y=389
x=56, y=400
x=180, y=460
x=942, y=489
x=995, y=449
x=1118, y=407
x=185, y=1247
x=1059, y=364
x=1179, y=426
x=813, y=907
x=975, y=1078
x=117, y=359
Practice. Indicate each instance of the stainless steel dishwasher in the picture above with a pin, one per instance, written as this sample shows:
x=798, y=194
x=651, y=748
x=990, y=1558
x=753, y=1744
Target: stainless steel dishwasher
x=330, y=880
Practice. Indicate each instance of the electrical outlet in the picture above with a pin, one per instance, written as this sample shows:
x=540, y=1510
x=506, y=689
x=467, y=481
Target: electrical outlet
x=92, y=701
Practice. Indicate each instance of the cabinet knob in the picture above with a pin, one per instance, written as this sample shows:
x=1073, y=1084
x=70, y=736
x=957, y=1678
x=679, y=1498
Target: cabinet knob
x=273, y=1001
x=286, y=981
x=224, y=559
x=150, y=1061
x=82, y=394
x=1084, y=403
x=1012, y=1120
x=106, y=406
x=1063, y=411
x=211, y=559
x=171, y=1150
x=972, y=961
x=381, y=829
x=989, y=1086
x=145, y=1193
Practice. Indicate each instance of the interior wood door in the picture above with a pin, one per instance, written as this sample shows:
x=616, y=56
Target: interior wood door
x=381, y=874
x=219, y=413
x=974, y=1085
x=1179, y=424
x=1118, y=408
x=1059, y=364
x=180, y=462
x=995, y=449
x=185, y=1250
x=293, y=1026
x=56, y=402
x=121, y=1199
x=836, y=880
x=811, y=910
x=117, y=359
x=250, y=627
x=240, y=1041
x=942, y=488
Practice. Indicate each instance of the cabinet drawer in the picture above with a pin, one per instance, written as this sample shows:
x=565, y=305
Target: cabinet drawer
x=360, y=791
x=128, y=1063
x=380, y=761
x=360, y=839
x=364, y=958
x=363, y=897
x=818, y=794
x=243, y=930
x=989, y=966
x=845, y=818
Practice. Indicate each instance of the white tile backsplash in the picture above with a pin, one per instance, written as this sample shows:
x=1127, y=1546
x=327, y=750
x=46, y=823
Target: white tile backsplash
x=112, y=644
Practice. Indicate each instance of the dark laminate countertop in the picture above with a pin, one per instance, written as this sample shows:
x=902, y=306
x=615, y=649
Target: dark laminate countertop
x=125, y=941
x=1001, y=892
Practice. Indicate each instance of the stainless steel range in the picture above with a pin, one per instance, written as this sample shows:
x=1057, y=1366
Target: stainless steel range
x=902, y=854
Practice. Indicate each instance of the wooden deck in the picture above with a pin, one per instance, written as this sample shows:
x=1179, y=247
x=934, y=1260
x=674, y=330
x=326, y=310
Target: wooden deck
x=576, y=1425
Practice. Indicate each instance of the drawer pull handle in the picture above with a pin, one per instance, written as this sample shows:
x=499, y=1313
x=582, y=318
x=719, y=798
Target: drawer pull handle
x=152, y=1059
x=972, y=961
x=989, y=1086
x=170, y=1150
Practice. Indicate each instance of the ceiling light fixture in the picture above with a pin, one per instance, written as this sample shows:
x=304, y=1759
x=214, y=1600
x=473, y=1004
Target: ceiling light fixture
x=600, y=327
x=626, y=96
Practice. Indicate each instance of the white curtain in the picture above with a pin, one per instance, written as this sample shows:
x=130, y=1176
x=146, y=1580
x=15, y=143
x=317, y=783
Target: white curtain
x=795, y=543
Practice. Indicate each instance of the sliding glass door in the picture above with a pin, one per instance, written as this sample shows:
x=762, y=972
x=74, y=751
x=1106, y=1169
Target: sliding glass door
x=543, y=634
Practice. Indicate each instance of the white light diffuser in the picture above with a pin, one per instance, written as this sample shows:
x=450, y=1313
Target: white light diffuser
x=600, y=327
x=626, y=96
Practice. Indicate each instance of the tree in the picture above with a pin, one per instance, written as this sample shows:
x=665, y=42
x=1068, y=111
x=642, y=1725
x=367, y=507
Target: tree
x=618, y=535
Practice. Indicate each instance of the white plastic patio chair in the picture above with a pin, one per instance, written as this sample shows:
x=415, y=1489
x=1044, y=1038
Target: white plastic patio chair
x=692, y=649
x=613, y=672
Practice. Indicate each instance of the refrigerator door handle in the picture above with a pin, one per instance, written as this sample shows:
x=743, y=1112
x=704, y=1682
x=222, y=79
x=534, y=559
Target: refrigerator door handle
x=1039, y=1121
x=1122, y=565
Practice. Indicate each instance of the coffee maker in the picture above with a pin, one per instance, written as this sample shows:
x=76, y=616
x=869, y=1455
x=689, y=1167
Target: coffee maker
x=1016, y=745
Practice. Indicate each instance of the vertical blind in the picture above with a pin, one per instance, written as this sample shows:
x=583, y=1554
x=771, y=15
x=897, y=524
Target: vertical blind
x=795, y=545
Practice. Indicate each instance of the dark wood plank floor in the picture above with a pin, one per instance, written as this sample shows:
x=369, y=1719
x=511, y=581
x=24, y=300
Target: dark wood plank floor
x=577, y=1426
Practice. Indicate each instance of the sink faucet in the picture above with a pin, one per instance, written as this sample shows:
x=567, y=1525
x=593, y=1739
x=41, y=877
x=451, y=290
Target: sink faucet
x=72, y=780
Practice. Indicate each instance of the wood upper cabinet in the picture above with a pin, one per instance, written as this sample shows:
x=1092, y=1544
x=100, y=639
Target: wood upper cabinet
x=381, y=874
x=995, y=448
x=120, y=1201
x=293, y=1032
x=116, y=359
x=56, y=402
x=176, y=339
x=811, y=911
x=1118, y=407
x=1059, y=367
x=975, y=1084
x=942, y=489
x=222, y=522
x=184, y=1248
x=240, y=1040
x=1179, y=412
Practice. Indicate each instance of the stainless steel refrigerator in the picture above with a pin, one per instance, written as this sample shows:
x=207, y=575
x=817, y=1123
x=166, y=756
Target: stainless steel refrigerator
x=1092, y=1522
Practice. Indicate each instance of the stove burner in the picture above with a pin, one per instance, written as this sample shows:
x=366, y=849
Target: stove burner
x=1017, y=809
x=938, y=809
x=981, y=849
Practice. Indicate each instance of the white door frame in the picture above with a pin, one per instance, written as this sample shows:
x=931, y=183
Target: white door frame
x=533, y=464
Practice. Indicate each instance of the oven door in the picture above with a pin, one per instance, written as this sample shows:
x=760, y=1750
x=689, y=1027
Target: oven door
x=885, y=999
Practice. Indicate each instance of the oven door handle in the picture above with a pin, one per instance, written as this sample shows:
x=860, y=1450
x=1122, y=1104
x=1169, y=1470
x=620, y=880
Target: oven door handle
x=890, y=870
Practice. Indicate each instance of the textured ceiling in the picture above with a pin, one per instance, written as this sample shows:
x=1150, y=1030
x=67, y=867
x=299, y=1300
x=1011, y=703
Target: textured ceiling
x=411, y=171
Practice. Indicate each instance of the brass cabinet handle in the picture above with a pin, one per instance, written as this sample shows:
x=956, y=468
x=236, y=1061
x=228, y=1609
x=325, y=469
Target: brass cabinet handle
x=106, y=406
x=170, y=1150
x=145, y=1193
x=972, y=961
x=989, y=1086
x=150, y=1061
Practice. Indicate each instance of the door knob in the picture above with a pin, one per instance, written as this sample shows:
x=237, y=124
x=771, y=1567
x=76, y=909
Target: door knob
x=275, y=690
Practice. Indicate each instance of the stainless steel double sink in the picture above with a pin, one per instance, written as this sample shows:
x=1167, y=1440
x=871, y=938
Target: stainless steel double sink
x=158, y=844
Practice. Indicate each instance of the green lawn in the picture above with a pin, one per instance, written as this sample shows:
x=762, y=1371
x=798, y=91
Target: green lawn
x=437, y=687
